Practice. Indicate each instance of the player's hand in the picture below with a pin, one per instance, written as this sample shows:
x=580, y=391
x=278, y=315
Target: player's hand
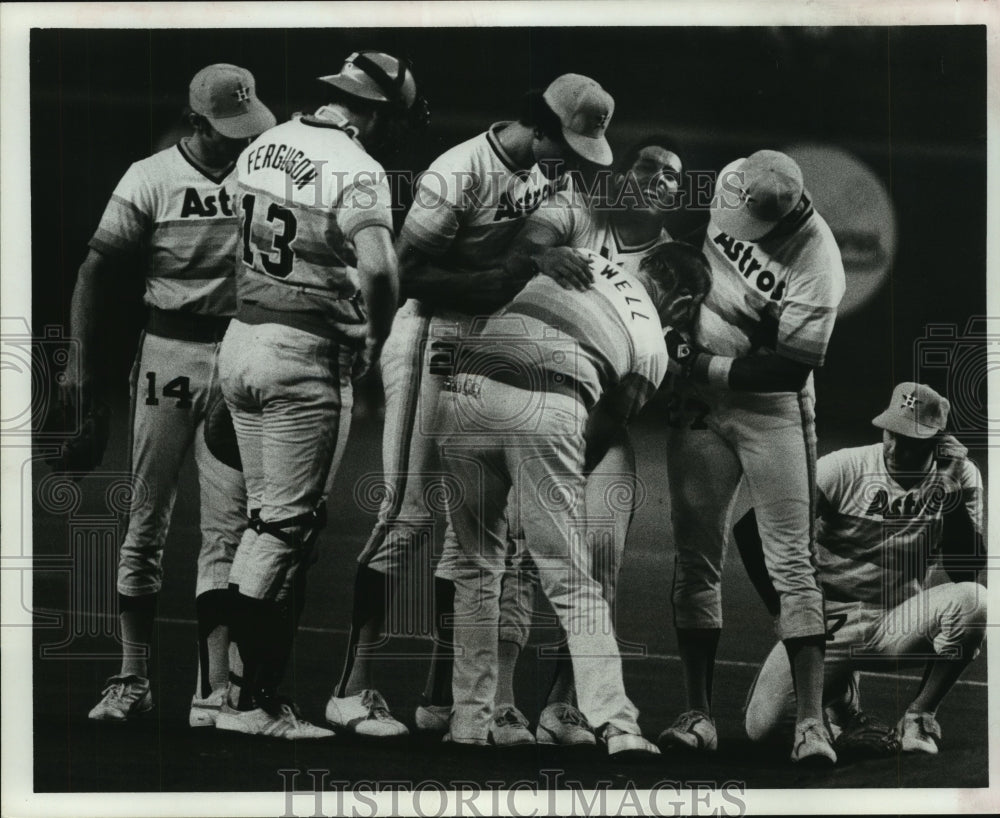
x=75, y=386
x=680, y=354
x=566, y=266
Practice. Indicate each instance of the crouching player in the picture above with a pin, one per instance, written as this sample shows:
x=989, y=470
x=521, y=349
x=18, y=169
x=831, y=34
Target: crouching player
x=887, y=513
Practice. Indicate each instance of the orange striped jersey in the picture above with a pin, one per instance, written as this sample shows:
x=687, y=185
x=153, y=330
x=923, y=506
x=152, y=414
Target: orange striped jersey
x=777, y=295
x=607, y=338
x=181, y=219
x=471, y=202
x=875, y=539
x=304, y=189
x=567, y=221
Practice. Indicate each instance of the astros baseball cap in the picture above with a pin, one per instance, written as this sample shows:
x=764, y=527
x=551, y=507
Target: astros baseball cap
x=584, y=109
x=915, y=410
x=753, y=194
x=226, y=96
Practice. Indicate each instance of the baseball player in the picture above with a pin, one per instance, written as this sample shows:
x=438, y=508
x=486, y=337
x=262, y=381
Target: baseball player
x=514, y=419
x=453, y=253
x=316, y=235
x=623, y=226
x=886, y=514
x=743, y=408
x=173, y=214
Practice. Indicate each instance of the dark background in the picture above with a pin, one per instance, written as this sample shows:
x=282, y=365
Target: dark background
x=908, y=102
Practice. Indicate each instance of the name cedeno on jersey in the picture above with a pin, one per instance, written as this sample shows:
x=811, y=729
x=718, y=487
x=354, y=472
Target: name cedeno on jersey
x=194, y=205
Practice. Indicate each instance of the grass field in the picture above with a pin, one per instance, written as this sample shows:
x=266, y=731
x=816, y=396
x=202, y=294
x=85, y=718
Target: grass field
x=161, y=754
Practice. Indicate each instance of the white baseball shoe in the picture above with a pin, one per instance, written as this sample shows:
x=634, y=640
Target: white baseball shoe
x=693, y=730
x=364, y=714
x=433, y=718
x=625, y=746
x=812, y=743
x=204, y=712
x=286, y=723
x=919, y=732
x=563, y=724
x=510, y=728
x=123, y=697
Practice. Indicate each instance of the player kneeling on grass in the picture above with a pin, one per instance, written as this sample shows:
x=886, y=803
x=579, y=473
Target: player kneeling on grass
x=170, y=214
x=513, y=421
x=286, y=362
x=887, y=514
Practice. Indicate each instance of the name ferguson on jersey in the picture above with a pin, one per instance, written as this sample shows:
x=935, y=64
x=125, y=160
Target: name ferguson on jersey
x=299, y=167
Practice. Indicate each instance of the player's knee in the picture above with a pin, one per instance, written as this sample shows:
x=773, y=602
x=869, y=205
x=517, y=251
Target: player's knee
x=970, y=598
x=759, y=720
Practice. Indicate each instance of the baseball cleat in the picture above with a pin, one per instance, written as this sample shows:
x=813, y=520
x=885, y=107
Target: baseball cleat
x=510, y=728
x=919, y=732
x=364, y=714
x=433, y=718
x=624, y=746
x=693, y=730
x=563, y=724
x=812, y=743
x=205, y=711
x=124, y=697
x=285, y=723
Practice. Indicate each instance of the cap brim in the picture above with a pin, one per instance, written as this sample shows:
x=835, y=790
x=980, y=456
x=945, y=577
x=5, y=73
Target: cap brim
x=352, y=87
x=892, y=422
x=739, y=223
x=245, y=126
x=593, y=149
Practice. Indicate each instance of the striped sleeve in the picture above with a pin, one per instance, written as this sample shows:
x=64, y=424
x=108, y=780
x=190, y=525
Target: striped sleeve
x=365, y=203
x=439, y=201
x=128, y=218
x=809, y=309
x=553, y=224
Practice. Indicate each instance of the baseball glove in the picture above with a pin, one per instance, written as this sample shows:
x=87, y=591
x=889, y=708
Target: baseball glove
x=84, y=450
x=220, y=436
x=866, y=737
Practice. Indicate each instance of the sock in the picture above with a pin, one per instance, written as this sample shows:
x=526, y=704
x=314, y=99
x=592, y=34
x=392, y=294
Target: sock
x=371, y=592
x=507, y=655
x=805, y=655
x=697, y=648
x=136, y=616
x=438, y=688
x=212, y=609
x=563, y=689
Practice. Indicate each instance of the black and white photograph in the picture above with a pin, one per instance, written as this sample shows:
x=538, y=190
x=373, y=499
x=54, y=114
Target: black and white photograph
x=498, y=408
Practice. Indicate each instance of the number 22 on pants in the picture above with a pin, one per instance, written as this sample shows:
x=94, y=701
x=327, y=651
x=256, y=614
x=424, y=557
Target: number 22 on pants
x=179, y=388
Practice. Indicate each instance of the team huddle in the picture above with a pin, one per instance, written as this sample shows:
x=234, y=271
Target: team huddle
x=521, y=318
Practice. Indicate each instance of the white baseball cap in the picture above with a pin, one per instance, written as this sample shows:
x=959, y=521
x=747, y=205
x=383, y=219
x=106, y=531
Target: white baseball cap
x=915, y=410
x=584, y=110
x=227, y=97
x=753, y=194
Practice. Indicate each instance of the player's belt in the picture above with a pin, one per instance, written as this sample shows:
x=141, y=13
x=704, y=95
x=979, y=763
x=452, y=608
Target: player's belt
x=186, y=326
x=543, y=380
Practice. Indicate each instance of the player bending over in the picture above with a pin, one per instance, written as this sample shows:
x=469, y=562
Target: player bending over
x=453, y=252
x=513, y=422
x=887, y=513
x=173, y=214
x=316, y=236
x=623, y=222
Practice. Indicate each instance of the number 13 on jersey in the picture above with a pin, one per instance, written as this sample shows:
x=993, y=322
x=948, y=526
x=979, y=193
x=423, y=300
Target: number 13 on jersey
x=276, y=259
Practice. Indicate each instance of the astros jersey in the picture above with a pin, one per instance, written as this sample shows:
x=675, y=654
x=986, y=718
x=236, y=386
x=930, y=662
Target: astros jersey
x=874, y=537
x=569, y=222
x=471, y=202
x=607, y=337
x=183, y=221
x=779, y=295
x=303, y=191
